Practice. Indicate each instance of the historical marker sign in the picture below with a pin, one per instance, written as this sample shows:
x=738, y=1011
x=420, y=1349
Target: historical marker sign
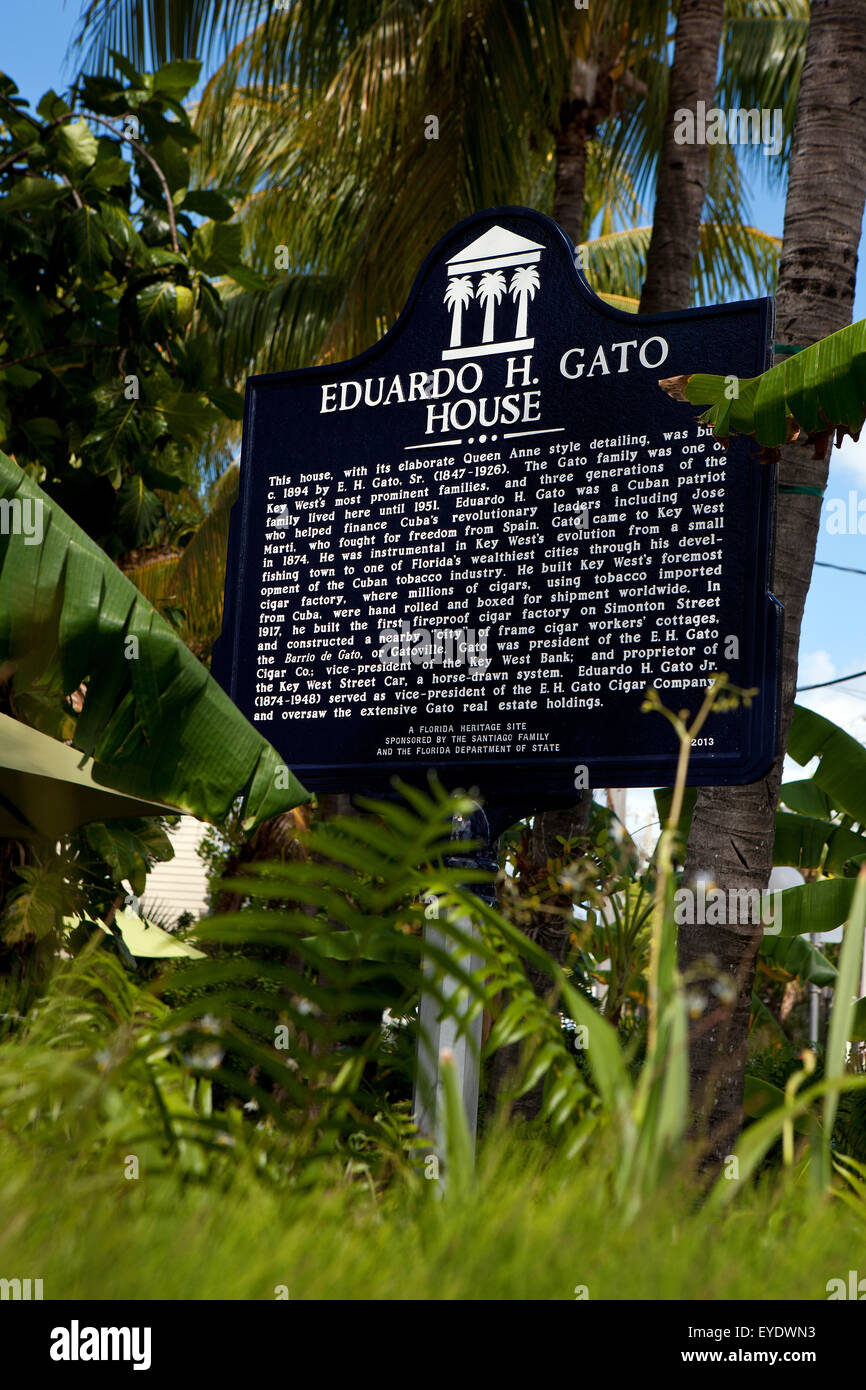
x=474, y=546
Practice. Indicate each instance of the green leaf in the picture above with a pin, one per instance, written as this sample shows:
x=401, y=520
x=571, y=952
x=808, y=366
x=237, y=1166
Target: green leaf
x=806, y=798
x=109, y=171
x=801, y=840
x=248, y=279
x=207, y=202
x=157, y=725
x=86, y=243
x=119, y=227
x=19, y=376
x=761, y=1097
x=122, y=851
x=664, y=800
x=177, y=78
x=172, y=160
x=77, y=146
x=31, y=192
x=799, y=957
x=51, y=106
x=33, y=910
x=41, y=433
x=163, y=305
x=811, y=392
x=125, y=68
x=841, y=773
x=815, y=907
x=231, y=403
x=186, y=413
x=138, y=510
x=216, y=247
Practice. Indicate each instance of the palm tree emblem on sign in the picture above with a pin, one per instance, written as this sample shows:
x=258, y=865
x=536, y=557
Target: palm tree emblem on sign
x=483, y=272
x=490, y=291
x=457, y=296
x=524, y=283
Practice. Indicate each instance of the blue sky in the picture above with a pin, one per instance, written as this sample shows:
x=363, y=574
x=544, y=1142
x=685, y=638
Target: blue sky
x=36, y=36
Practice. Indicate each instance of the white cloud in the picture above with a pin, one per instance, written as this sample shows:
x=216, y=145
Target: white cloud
x=816, y=666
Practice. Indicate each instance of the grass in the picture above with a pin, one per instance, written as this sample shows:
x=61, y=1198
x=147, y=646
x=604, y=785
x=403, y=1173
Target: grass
x=528, y=1227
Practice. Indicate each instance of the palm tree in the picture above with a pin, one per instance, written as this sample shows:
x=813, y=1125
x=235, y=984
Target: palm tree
x=733, y=827
x=457, y=296
x=322, y=127
x=490, y=291
x=681, y=186
x=524, y=283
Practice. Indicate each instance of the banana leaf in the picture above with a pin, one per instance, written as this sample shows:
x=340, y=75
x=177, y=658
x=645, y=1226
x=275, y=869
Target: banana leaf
x=820, y=389
x=815, y=907
x=798, y=957
x=805, y=798
x=810, y=843
x=155, y=723
x=841, y=773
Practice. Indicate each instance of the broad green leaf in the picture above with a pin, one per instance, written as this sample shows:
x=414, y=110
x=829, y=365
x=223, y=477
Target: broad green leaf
x=177, y=78
x=186, y=412
x=207, y=202
x=164, y=305
x=806, y=798
x=41, y=433
x=173, y=162
x=138, y=509
x=812, y=392
x=799, y=957
x=108, y=172
x=808, y=843
x=119, y=227
x=155, y=723
x=664, y=799
x=841, y=773
x=801, y=840
x=248, y=279
x=122, y=851
x=77, y=146
x=51, y=106
x=31, y=192
x=32, y=909
x=231, y=403
x=19, y=376
x=86, y=242
x=216, y=247
x=815, y=907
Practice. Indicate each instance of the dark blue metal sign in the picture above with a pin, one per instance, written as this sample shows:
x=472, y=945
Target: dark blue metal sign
x=473, y=547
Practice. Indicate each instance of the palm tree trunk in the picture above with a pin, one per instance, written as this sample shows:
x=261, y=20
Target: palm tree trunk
x=570, y=174
x=683, y=171
x=733, y=828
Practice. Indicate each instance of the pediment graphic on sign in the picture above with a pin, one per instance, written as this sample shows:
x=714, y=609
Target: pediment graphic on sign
x=495, y=268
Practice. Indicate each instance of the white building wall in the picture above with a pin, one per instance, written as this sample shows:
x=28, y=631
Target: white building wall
x=180, y=885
